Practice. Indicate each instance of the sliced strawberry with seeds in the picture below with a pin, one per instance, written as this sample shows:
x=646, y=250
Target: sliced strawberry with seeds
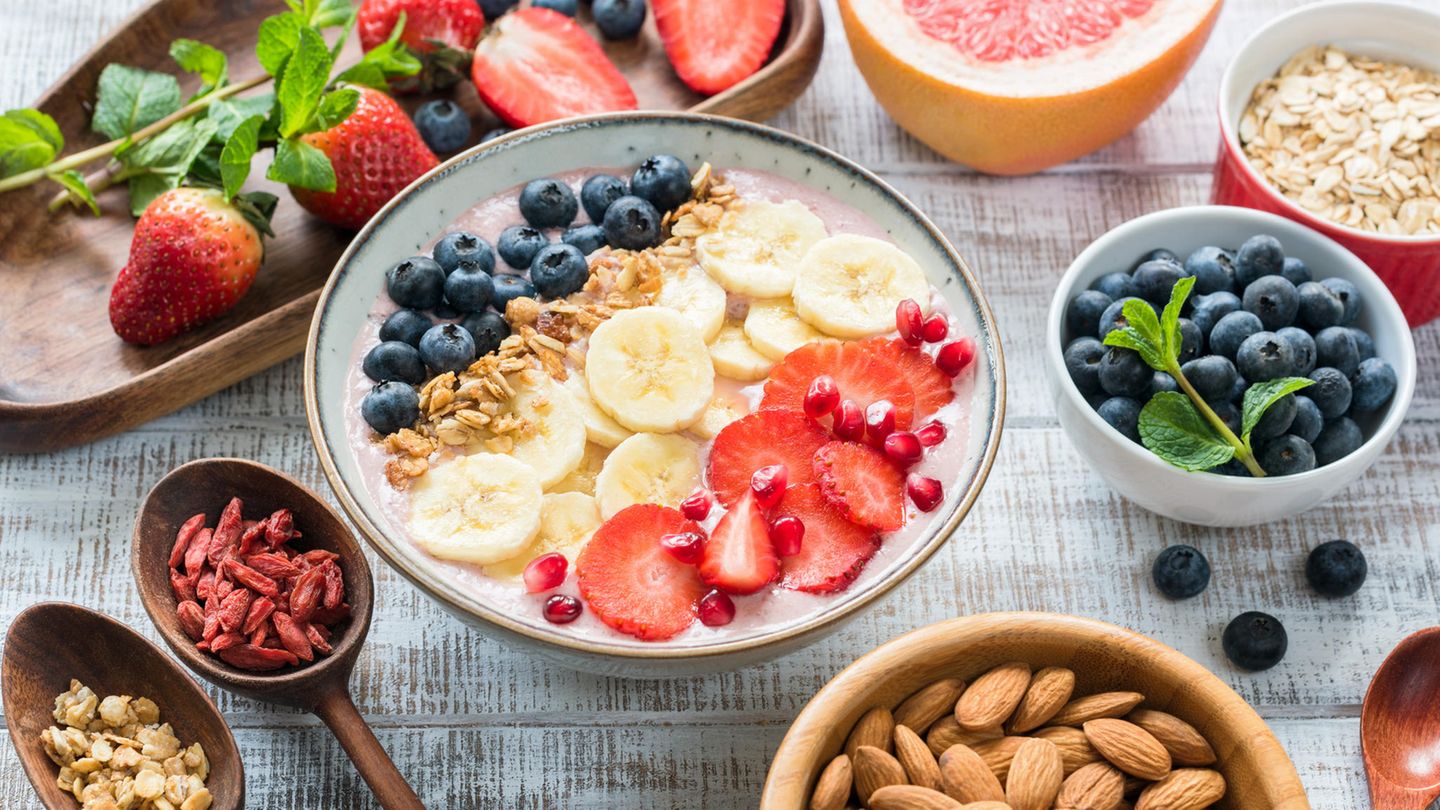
x=762, y=439
x=714, y=46
x=739, y=556
x=863, y=484
x=834, y=551
x=631, y=582
x=932, y=388
x=864, y=371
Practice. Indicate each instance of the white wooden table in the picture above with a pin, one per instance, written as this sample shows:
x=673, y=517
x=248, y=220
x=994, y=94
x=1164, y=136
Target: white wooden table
x=475, y=724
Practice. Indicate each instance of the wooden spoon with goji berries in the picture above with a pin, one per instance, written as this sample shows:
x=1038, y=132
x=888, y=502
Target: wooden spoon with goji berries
x=259, y=587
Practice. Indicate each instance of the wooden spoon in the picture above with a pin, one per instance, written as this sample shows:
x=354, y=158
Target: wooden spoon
x=52, y=642
x=1400, y=725
x=322, y=686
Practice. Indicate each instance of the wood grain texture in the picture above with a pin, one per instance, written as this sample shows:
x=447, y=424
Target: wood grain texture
x=474, y=724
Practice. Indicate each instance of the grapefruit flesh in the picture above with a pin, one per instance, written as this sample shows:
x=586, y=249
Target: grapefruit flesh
x=1002, y=30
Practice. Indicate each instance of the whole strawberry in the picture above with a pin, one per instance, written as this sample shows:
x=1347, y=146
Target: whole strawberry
x=375, y=153
x=192, y=258
x=441, y=32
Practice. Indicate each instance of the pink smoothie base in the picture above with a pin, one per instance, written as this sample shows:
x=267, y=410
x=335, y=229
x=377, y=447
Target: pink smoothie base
x=755, y=615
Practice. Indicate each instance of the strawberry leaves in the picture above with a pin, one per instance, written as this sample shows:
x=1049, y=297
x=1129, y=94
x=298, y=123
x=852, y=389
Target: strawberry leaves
x=129, y=99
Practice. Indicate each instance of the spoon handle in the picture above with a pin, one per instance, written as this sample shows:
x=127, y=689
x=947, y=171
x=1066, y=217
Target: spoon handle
x=1386, y=796
x=338, y=712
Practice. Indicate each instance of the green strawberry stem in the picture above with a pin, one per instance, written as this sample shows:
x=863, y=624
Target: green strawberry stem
x=1242, y=452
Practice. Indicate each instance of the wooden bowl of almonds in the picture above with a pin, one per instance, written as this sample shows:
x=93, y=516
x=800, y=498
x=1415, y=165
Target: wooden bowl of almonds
x=1029, y=711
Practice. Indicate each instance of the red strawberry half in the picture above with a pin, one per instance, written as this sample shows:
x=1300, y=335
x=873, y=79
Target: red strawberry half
x=739, y=557
x=863, y=484
x=766, y=437
x=441, y=32
x=932, y=388
x=633, y=584
x=714, y=45
x=860, y=369
x=834, y=550
x=537, y=65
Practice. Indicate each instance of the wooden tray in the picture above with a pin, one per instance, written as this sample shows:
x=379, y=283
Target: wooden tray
x=66, y=379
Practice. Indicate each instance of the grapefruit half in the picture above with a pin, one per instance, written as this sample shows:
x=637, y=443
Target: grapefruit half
x=1016, y=86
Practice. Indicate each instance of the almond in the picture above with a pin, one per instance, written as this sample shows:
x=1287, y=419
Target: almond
x=922, y=709
x=1049, y=691
x=1093, y=707
x=874, y=768
x=993, y=696
x=985, y=806
x=1075, y=748
x=1035, y=775
x=916, y=759
x=966, y=777
x=832, y=789
x=1129, y=747
x=999, y=753
x=1097, y=786
x=1183, y=789
x=876, y=727
x=1186, y=745
x=947, y=732
x=911, y=797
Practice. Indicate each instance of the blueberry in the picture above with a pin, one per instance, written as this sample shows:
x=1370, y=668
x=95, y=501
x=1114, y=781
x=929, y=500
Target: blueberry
x=1116, y=285
x=1213, y=269
x=566, y=7
x=1124, y=374
x=1336, y=568
x=394, y=360
x=406, y=326
x=1237, y=391
x=495, y=133
x=1231, y=331
x=1082, y=361
x=469, y=288
x=1372, y=385
x=1363, y=342
x=487, y=329
x=1232, y=468
x=1123, y=414
x=1155, y=279
x=1190, y=340
x=416, y=283
x=443, y=125
x=447, y=347
x=1207, y=310
x=1319, y=306
x=445, y=312
x=492, y=9
x=548, y=203
x=1114, y=317
x=632, y=223
x=1338, y=439
x=1308, y=421
x=459, y=246
x=664, y=180
x=1181, y=572
x=1158, y=254
x=1211, y=375
x=1349, y=296
x=559, y=270
x=1265, y=356
x=1295, y=271
x=1083, y=314
x=1273, y=300
x=1331, y=392
x=1228, y=412
x=619, y=19
x=1335, y=347
x=390, y=406
x=1302, y=346
x=1277, y=418
x=598, y=192
x=1254, y=640
x=518, y=245
x=1162, y=382
x=1260, y=256
x=588, y=238
x=508, y=287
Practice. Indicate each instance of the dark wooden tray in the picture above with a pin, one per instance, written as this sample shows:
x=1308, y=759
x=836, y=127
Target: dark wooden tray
x=66, y=379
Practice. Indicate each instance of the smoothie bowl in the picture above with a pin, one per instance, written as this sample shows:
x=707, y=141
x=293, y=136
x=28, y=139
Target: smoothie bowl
x=654, y=394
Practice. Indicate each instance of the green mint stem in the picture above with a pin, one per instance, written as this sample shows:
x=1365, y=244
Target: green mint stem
x=1241, y=451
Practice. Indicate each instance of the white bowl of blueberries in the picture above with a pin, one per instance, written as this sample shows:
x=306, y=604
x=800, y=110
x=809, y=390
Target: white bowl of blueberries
x=1282, y=371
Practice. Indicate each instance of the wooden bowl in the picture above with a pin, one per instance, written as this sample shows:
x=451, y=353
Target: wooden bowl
x=1103, y=656
x=52, y=642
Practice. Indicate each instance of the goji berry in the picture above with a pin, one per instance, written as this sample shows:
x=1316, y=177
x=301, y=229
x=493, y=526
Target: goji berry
x=183, y=538
x=305, y=596
x=192, y=619
x=272, y=565
x=227, y=533
x=292, y=637
x=281, y=528
x=182, y=586
x=334, y=584
x=250, y=578
x=317, y=640
x=260, y=610
x=195, y=554
x=225, y=641
x=248, y=656
x=234, y=609
x=251, y=537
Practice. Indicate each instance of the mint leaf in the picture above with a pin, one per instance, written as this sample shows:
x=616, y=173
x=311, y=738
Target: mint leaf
x=1142, y=333
x=74, y=182
x=389, y=59
x=1261, y=396
x=332, y=14
x=1170, y=318
x=162, y=162
x=1172, y=429
x=335, y=107
x=196, y=57
x=130, y=98
x=28, y=140
x=39, y=123
x=279, y=35
x=235, y=157
x=301, y=165
x=302, y=82
x=229, y=113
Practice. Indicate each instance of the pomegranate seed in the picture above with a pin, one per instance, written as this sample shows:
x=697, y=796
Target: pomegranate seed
x=561, y=609
x=716, y=609
x=687, y=547
x=879, y=420
x=822, y=397
x=935, y=328
x=903, y=448
x=849, y=421
x=909, y=321
x=697, y=506
x=954, y=357
x=768, y=484
x=786, y=532
x=931, y=434
x=925, y=492
x=545, y=572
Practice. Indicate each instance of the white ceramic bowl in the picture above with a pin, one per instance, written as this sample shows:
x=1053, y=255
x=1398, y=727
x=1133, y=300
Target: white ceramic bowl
x=1206, y=498
x=420, y=212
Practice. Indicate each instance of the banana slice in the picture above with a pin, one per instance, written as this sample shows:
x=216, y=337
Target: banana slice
x=723, y=409
x=566, y=522
x=734, y=357
x=775, y=330
x=481, y=508
x=648, y=468
x=649, y=370
x=599, y=427
x=848, y=286
x=554, y=442
x=696, y=296
x=582, y=478
x=757, y=248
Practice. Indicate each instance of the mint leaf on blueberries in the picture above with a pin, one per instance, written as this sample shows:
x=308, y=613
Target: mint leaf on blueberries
x=204, y=60
x=129, y=98
x=74, y=182
x=279, y=35
x=1170, y=318
x=1141, y=333
x=29, y=139
x=299, y=164
x=235, y=158
x=302, y=82
x=1172, y=429
x=1261, y=396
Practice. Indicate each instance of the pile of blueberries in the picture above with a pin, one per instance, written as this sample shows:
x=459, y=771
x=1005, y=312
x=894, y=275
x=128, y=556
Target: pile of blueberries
x=462, y=285
x=1254, y=315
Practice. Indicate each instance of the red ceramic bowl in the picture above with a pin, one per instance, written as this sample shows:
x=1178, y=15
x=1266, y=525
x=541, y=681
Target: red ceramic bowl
x=1409, y=265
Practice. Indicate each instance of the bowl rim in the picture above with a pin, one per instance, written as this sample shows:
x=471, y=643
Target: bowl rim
x=449, y=598
x=1405, y=366
x=1230, y=138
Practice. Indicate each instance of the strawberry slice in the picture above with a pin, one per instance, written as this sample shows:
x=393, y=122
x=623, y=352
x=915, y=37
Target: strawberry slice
x=715, y=45
x=834, y=550
x=739, y=557
x=631, y=582
x=863, y=370
x=536, y=65
x=862, y=484
x=932, y=388
x=758, y=440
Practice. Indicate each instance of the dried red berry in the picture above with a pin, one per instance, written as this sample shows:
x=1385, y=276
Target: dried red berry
x=192, y=619
x=822, y=397
x=931, y=434
x=716, y=609
x=697, y=506
x=909, y=321
x=545, y=572
x=925, y=492
x=183, y=537
x=903, y=448
x=955, y=356
x=562, y=609
x=687, y=547
x=849, y=421
x=786, y=533
x=768, y=484
x=935, y=328
x=879, y=420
